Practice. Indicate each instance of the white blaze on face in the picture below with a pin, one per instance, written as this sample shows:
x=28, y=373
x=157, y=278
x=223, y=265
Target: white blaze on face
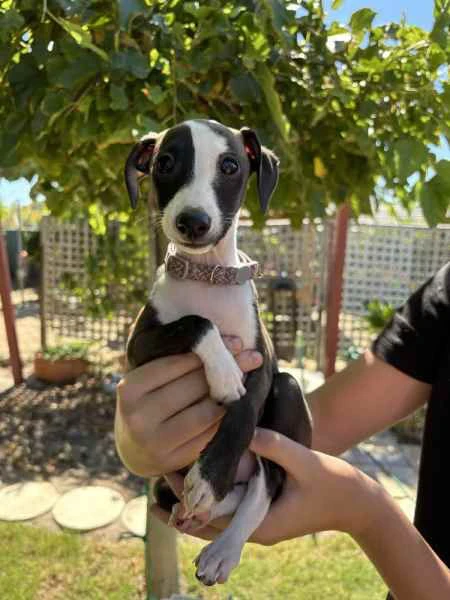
x=199, y=192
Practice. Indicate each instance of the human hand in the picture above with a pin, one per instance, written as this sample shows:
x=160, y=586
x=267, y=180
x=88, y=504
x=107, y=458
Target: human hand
x=321, y=493
x=164, y=417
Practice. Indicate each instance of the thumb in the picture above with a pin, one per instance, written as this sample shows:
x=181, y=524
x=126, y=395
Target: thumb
x=279, y=449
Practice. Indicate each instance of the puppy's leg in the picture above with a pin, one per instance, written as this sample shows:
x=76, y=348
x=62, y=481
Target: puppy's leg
x=213, y=475
x=150, y=339
x=286, y=412
x=216, y=560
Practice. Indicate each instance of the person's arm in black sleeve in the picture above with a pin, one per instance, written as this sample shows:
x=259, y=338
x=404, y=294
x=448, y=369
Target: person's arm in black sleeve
x=390, y=381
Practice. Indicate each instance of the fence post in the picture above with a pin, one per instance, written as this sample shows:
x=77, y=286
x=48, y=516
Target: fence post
x=161, y=556
x=8, y=313
x=336, y=259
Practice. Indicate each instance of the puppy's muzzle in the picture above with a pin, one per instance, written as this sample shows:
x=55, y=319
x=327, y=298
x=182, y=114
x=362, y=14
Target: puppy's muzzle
x=193, y=224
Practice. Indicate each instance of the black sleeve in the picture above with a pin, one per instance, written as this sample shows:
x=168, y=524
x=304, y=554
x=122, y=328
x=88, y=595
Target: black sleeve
x=417, y=338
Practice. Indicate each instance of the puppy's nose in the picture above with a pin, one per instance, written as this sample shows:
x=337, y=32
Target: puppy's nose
x=193, y=224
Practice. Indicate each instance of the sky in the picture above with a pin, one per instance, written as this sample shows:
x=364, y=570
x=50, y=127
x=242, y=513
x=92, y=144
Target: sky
x=417, y=12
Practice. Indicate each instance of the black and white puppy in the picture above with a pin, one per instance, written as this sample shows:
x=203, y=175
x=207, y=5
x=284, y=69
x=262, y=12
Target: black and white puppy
x=199, y=171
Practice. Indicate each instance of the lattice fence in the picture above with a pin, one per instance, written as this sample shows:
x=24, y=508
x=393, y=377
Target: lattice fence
x=387, y=263
x=66, y=248
x=384, y=262
x=295, y=254
x=300, y=256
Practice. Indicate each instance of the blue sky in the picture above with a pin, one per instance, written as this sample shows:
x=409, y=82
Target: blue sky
x=417, y=12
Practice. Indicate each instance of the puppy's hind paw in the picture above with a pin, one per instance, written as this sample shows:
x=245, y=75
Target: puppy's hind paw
x=198, y=493
x=216, y=561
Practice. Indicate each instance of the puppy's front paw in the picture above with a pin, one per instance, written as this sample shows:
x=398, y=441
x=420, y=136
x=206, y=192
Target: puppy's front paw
x=216, y=561
x=198, y=493
x=224, y=379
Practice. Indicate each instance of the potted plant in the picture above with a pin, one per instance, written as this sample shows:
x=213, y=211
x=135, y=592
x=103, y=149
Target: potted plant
x=63, y=363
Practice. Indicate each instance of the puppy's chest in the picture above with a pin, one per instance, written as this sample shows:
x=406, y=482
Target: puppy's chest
x=231, y=308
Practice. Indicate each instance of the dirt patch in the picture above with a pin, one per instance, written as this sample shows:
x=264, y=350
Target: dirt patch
x=60, y=430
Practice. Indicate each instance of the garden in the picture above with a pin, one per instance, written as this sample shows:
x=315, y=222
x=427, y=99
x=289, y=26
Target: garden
x=357, y=109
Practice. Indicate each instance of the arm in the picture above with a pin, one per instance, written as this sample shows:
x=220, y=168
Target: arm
x=392, y=380
x=366, y=397
x=325, y=493
x=329, y=494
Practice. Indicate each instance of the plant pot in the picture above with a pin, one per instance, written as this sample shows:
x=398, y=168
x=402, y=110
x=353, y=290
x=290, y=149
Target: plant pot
x=64, y=370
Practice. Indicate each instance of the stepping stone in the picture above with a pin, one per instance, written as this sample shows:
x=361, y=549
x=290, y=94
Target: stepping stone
x=134, y=516
x=88, y=507
x=23, y=501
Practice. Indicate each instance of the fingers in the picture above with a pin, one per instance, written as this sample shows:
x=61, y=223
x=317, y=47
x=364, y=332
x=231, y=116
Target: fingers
x=280, y=449
x=176, y=483
x=249, y=360
x=157, y=373
x=233, y=343
x=189, y=452
x=191, y=422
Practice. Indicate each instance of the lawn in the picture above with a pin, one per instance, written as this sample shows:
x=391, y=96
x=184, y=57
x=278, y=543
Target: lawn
x=36, y=564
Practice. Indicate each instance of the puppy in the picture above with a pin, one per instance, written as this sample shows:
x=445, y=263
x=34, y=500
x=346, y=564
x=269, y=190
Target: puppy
x=199, y=172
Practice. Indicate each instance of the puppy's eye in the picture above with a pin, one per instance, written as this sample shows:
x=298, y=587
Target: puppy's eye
x=165, y=163
x=229, y=165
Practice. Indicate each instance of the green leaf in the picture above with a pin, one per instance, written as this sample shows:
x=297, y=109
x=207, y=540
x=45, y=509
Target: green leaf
x=442, y=169
x=10, y=22
x=434, y=199
x=362, y=19
x=119, y=98
x=336, y=4
x=80, y=34
x=409, y=156
x=72, y=74
x=131, y=61
x=267, y=83
x=129, y=9
x=245, y=88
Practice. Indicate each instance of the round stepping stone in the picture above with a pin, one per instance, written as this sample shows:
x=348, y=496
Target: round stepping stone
x=88, y=507
x=134, y=516
x=23, y=501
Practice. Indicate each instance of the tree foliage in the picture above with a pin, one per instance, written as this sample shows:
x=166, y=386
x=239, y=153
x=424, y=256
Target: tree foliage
x=351, y=108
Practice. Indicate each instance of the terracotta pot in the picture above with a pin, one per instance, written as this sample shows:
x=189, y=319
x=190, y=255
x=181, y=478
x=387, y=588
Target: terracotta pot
x=59, y=371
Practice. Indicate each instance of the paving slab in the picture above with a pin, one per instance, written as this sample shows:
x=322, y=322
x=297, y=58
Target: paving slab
x=134, y=516
x=28, y=500
x=88, y=507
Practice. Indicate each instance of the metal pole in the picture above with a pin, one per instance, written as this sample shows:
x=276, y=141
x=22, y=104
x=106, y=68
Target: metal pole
x=161, y=556
x=334, y=288
x=8, y=313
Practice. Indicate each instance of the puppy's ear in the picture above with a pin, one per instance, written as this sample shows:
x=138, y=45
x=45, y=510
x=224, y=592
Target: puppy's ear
x=138, y=165
x=264, y=163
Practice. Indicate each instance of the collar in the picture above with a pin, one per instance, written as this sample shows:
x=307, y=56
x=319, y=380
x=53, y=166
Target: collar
x=181, y=267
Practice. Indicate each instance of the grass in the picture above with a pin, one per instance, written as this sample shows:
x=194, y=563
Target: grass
x=36, y=564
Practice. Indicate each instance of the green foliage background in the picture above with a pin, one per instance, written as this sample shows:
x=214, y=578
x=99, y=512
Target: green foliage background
x=352, y=118
x=81, y=80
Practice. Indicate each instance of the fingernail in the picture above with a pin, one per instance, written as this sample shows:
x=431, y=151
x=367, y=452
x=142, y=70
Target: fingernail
x=256, y=433
x=256, y=357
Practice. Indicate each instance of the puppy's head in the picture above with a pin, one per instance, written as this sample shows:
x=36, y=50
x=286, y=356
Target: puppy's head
x=199, y=172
